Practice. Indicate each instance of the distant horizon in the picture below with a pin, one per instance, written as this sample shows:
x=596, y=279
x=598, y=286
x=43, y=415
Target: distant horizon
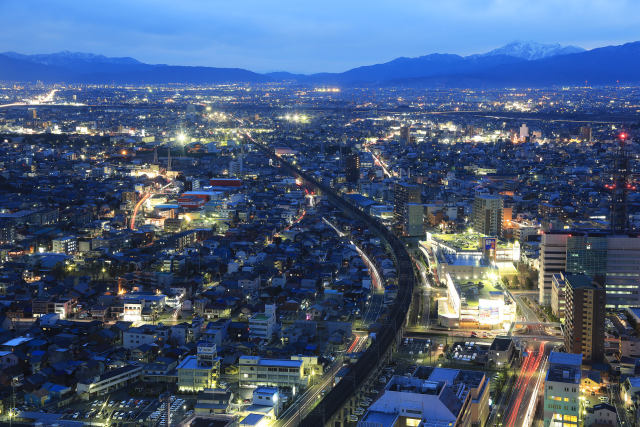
x=122, y=56
x=329, y=36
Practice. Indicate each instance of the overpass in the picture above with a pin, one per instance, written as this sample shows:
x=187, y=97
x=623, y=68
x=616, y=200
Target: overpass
x=336, y=406
x=543, y=324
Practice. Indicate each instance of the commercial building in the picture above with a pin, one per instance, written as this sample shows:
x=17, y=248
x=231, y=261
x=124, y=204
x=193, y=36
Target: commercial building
x=258, y=371
x=553, y=260
x=414, y=219
x=487, y=214
x=199, y=372
x=558, y=299
x=65, y=245
x=263, y=325
x=433, y=397
x=501, y=351
x=404, y=194
x=146, y=334
x=352, y=168
x=601, y=415
x=585, y=315
x=474, y=305
x=597, y=254
x=108, y=382
x=405, y=134
x=43, y=306
x=562, y=390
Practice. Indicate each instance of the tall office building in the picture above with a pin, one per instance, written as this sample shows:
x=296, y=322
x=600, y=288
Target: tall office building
x=562, y=390
x=585, y=133
x=352, y=167
x=553, y=260
x=404, y=194
x=414, y=219
x=584, y=317
x=487, y=214
x=622, y=273
x=524, y=132
x=405, y=134
x=596, y=254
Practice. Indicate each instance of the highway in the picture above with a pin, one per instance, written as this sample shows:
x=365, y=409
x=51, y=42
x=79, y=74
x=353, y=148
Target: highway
x=38, y=100
x=524, y=395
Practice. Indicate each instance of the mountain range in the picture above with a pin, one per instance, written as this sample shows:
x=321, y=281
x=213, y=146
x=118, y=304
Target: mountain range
x=517, y=64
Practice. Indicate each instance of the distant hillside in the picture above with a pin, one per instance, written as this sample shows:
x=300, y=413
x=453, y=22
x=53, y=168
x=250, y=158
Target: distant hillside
x=602, y=66
x=89, y=68
x=517, y=64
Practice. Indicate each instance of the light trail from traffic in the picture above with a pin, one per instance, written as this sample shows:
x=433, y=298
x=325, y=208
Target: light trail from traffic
x=529, y=368
x=143, y=199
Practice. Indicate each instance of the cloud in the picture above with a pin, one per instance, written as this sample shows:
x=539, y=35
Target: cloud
x=305, y=36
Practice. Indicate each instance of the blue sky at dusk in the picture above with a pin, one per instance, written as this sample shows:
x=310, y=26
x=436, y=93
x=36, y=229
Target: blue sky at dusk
x=306, y=36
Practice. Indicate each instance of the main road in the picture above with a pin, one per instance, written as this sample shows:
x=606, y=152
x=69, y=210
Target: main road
x=521, y=407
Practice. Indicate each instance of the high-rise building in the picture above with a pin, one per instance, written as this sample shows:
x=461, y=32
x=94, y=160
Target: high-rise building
x=524, y=132
x=558, y=287
x=622, y=274
x=405, y=134
x=562, y=390
x=553, y=260
x=236, y=167
x=404, y=194
x=613, y=257
x=352, y=168
x=487, y=214
x=596, y=254
x=414, y=219
x=584, y=317
x=585, y=133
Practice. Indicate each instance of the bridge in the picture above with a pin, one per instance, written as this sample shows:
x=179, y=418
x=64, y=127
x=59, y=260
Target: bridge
x=543, y=324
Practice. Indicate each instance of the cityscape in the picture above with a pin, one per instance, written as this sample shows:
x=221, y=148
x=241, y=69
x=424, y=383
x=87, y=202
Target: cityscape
x=432, y=241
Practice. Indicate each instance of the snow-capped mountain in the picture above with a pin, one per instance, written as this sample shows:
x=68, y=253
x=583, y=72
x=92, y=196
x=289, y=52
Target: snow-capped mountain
x=66, y=57
x=531, y=51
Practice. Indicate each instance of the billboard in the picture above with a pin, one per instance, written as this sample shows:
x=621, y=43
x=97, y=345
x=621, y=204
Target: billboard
x=489, y=311
x=489, y=243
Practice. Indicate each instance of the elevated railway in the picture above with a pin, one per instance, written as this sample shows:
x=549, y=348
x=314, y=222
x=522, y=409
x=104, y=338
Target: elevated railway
x=333, y=408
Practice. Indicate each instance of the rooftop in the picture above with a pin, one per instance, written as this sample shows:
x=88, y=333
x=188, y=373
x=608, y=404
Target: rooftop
x=567, y=359
x=16, y=341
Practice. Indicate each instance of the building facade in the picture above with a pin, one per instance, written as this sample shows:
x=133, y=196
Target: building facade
x=487, y=215
x=562, y=390
x=258, y=371
x=584, y=317
x=553, y=260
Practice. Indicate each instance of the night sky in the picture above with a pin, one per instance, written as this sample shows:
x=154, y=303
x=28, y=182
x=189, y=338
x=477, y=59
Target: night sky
x=306, y=36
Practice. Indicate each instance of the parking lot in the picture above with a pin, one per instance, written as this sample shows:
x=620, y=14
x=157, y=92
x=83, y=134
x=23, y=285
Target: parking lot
x=130, y=410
